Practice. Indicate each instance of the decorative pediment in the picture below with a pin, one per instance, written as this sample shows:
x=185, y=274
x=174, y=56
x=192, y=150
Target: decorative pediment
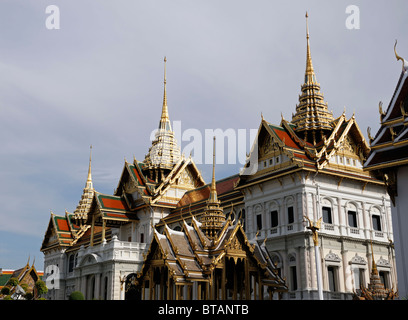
x=157, y=255
x=358, y=260
x=268, y=142
x=348, y=146
x=332, y=257
x=235, y=245
x=268, y=146
x=383, y=263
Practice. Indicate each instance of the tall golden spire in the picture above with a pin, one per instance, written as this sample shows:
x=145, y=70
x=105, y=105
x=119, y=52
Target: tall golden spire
x=89, y=183
x=164, y=152
x=312, y=117
x=165, y=119
x=309, y=74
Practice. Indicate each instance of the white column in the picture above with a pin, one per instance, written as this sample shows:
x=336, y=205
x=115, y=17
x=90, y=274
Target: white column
x=319, y=273
x=97, y=292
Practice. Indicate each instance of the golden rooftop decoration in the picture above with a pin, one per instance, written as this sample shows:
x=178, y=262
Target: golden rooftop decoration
x=312, y=113
x=84, y=205
x=375, y=289
x=164, y=152
x=213, y=218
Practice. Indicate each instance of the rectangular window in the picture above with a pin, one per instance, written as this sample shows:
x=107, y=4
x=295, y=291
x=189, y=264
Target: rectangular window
x=142, y=237
x=352, y=218
x=384, y=279
x=359, y=277
x=331, y=273
x=274, y=219
x=376, y=222
x=293, y=282
x=259, y=222
x=327, y=216
x=291, y=217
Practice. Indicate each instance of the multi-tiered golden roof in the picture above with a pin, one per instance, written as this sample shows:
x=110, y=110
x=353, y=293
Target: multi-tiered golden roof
x=312, y=118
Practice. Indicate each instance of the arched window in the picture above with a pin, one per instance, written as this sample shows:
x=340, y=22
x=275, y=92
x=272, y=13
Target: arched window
x=327, y=211
x=258, y=215
x=352, y=215
x=376, y=219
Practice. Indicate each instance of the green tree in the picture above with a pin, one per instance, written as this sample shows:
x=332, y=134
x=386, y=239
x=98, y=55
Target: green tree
x=29, y=296
x=76, y=295
x=12, y=282
x=5, y=291
x=41, y=287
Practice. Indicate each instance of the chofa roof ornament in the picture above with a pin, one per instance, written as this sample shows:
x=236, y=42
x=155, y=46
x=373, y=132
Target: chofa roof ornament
x=404, y=62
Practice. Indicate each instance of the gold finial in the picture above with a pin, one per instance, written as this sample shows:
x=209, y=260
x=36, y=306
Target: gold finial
x=90, y=160
x=165, y=120
x=307, y=27
x=165, y=83
x=165, y=60
x=213, y=191
x=309, y=65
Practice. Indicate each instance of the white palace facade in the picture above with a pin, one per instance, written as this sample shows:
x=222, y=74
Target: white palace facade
x=308, y=168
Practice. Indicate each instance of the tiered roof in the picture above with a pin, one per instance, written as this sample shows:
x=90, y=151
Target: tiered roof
x=141, y=184
x=389, y=147
x=312, y=118
x=27, y=275
x=191, y=256
x=311, y=141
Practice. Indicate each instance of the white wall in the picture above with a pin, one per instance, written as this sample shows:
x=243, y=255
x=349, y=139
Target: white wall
x=400, y=222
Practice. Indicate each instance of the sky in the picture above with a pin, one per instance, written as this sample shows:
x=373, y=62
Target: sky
x=98, y=80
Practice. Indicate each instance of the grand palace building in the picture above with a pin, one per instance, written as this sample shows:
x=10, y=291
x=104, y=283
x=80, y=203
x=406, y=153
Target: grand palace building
x=167, y=234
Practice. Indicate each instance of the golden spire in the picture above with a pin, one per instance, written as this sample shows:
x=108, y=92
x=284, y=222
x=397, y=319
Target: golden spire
x=309, y=76
x=213, y=218
x=213, y=190
x=312, y=113
x=165, y=120
x=89, y=184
